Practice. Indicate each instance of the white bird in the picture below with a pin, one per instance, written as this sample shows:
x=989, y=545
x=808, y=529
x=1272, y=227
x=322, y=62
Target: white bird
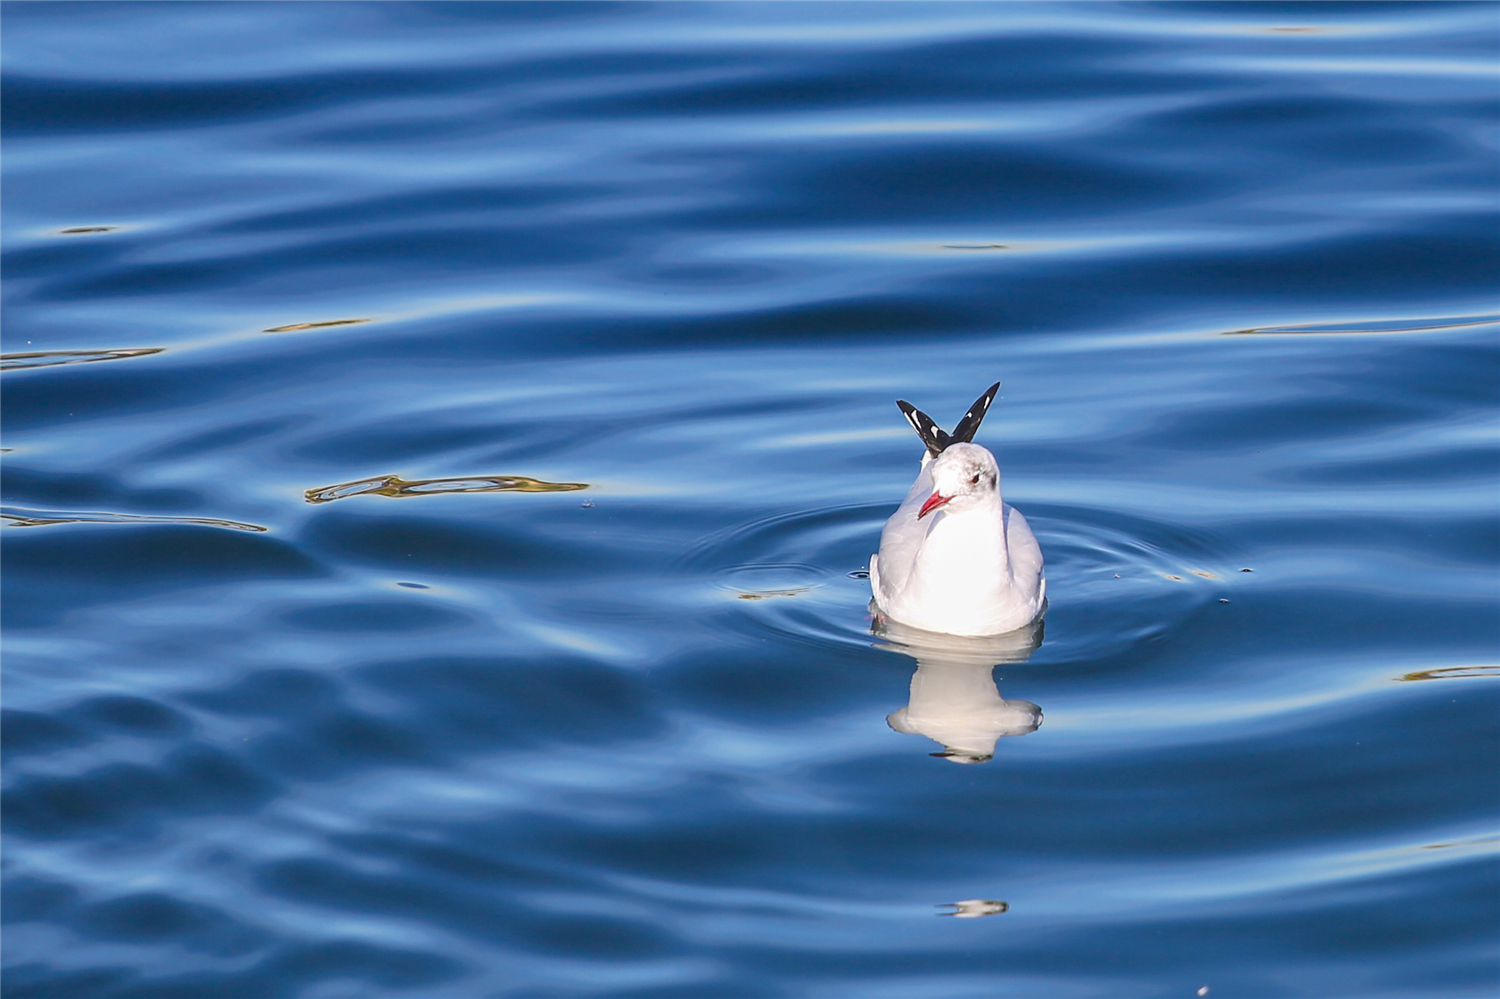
x=955, y=558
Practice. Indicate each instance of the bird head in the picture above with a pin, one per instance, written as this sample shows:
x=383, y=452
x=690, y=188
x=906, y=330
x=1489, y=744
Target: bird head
x=964, y=476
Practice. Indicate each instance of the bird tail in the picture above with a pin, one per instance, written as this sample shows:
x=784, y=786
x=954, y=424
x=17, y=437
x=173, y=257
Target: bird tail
x=934, y=436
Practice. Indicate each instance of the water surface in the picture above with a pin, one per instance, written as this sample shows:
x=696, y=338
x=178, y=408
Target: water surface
x=325, y=678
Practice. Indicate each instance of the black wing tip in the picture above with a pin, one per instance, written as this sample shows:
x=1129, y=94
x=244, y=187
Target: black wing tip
x=926, y=427
x=934, y=436
x=982, y=404
x=969, y=425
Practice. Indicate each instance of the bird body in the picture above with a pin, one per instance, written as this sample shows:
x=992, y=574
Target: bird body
x=955, y=558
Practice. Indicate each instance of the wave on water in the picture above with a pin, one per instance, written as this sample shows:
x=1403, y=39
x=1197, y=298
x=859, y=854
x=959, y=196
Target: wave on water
x=658, y=273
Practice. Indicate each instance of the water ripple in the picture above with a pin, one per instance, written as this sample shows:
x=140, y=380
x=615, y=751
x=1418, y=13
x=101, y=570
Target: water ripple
x=47, y=358
x=1381, y=326
x=393, y=485
x=16, y=517
x=686, y=256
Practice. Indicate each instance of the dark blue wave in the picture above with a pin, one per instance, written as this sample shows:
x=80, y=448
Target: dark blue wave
x=630, y=740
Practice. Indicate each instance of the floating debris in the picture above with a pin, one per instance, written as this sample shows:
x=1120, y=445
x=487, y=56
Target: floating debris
x=15, y=517
x=973, y=908
x=859, y=574
x=415, y=586
x=315, y=326
x=1247, y=570
x=769, y=580
x=1205, y=575
x=83, y=230
x=1170, y=576
x=1223, y=600
x=394, y=485
x=1452, y=673
x=768, y=594
x=44, y=358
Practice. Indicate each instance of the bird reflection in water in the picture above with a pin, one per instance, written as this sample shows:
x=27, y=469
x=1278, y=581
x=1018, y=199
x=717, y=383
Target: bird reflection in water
x=954, y=700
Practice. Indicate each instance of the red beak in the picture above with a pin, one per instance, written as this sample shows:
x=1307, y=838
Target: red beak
x=933, y=502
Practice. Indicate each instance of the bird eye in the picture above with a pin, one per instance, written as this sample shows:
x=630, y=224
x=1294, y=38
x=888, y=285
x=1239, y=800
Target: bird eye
x=975, y=480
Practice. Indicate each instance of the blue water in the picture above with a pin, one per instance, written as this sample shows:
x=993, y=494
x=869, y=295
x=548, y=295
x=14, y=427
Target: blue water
x=1235, y=265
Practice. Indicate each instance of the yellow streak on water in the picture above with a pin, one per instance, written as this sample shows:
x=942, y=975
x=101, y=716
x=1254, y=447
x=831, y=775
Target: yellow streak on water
x=314, y=326
x=46, y=358
x=1452, y=673
x=394, y=485
x=39, y=518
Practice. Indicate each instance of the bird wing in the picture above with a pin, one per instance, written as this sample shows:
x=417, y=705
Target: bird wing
x=967, y=427
x=902, y=537
x=935, y=437
x=1025, y=553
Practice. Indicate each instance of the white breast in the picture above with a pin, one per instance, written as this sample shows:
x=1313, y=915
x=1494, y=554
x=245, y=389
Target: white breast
x=978, y=572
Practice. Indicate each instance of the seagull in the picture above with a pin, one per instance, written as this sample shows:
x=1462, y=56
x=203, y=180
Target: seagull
x=955, y=558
